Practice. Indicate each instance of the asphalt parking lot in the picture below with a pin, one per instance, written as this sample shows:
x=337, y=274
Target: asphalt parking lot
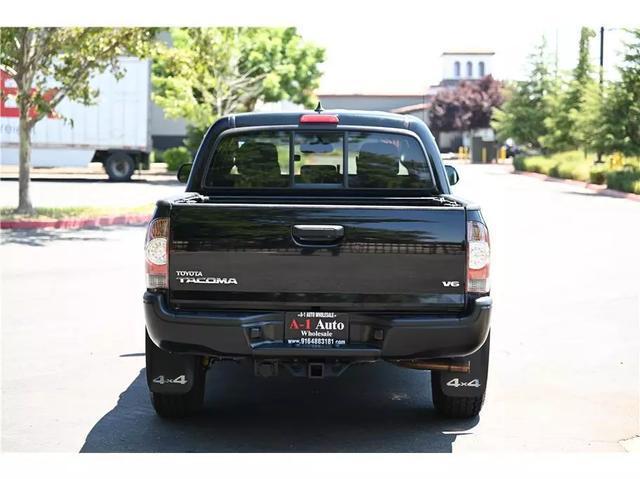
x=564, y=362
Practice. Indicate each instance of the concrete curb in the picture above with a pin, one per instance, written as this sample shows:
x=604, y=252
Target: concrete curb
x=599, y=189
x=76, y=223
x=631, y=445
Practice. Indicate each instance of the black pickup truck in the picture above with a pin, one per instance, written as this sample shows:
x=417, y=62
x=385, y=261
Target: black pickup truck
x=309, y=242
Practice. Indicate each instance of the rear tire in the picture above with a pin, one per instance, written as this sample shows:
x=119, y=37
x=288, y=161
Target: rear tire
x=172, y=406
x=456, y=407
x=453, y=397
x=119, y=166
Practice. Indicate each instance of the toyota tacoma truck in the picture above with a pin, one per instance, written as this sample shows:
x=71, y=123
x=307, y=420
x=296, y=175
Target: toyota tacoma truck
x=310, y=242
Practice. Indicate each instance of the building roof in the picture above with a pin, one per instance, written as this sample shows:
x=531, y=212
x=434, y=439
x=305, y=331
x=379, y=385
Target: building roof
x=411, y=108
x=468, y=52
x=381, y=95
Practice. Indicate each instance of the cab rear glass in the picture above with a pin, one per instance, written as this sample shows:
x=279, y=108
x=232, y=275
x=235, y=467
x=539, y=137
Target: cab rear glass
x=307, y=159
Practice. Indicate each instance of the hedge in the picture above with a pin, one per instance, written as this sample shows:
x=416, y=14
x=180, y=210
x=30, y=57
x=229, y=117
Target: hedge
x=624, y=180
x=175, y=157
x=573, y=165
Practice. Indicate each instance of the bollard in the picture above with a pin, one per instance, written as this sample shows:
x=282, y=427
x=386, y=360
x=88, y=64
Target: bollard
x=616, y=160
x=484, y=154
x=461, y=152
x=503, y=153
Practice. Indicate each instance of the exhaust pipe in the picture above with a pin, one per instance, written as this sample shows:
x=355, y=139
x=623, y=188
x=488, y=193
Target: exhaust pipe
x=436, y=366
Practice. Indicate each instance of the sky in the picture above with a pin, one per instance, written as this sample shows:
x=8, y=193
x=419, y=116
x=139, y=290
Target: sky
x=382, y=46
x=399, y=50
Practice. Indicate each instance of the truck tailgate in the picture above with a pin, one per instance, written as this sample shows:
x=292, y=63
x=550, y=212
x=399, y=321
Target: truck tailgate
x=314, y=257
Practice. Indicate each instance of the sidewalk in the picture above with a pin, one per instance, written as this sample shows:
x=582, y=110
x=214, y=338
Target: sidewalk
x=94, y=171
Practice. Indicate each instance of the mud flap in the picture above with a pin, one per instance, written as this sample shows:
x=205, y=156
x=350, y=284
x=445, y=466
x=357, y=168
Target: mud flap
x=472, y=384
x=169, y=373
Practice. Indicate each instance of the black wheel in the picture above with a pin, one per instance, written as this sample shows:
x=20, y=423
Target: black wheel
x=119, y=166
x=175, y=404
x=461, y=396
x=181, y=405
x=456, y=407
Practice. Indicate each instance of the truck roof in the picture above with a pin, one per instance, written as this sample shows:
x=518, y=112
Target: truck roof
x=346, y=117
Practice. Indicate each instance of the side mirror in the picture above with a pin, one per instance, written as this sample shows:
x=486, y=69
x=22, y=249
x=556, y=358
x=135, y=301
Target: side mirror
x=452, y=174
x=183, y=172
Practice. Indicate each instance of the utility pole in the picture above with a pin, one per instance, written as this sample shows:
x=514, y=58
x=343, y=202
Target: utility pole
x=599, y=158
x=601, y=57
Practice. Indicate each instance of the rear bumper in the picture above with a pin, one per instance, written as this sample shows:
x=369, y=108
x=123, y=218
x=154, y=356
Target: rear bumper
x=260, y=334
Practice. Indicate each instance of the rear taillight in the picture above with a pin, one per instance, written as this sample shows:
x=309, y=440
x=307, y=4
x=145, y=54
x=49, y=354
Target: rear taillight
x=156, y=253
x=478, y=257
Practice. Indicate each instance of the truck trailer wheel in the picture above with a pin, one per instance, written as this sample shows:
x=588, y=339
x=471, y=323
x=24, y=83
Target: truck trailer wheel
x=176, y=381
x=461, y=396
x=119, y=166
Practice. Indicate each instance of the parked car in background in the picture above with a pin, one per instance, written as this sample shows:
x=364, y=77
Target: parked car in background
x=114, y=131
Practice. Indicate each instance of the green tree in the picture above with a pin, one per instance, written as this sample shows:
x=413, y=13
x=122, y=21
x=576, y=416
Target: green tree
x=290, y=65
x=587, y=119
x=620, y=118
x=567, y=102
x=522, y=116
x=211, y=72
x=50, y=64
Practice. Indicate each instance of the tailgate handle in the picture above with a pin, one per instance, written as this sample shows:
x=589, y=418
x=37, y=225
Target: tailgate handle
x=317, y=234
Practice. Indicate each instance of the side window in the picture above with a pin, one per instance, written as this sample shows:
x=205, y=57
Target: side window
x=456, y=69
x=252, y=160
x=384, y=160
x=318, y=158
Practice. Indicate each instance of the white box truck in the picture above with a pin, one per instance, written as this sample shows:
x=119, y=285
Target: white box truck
x=114, y=131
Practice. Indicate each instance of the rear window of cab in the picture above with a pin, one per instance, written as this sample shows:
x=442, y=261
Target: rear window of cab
x=319, y=159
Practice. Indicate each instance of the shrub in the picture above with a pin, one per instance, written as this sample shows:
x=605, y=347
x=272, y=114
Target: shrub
x=598, y=175
x=155, y=156
x=175, y=157
x=542, y=165
x=574, y=156
x=519, y=164
x=624, y=180
x=571, y=170
x=537, y=164
x=573, y=165
x=569, y=165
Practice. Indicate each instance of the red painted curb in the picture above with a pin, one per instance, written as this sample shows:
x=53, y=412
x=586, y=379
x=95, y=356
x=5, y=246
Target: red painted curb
x=599, y=189
x=76, y=223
